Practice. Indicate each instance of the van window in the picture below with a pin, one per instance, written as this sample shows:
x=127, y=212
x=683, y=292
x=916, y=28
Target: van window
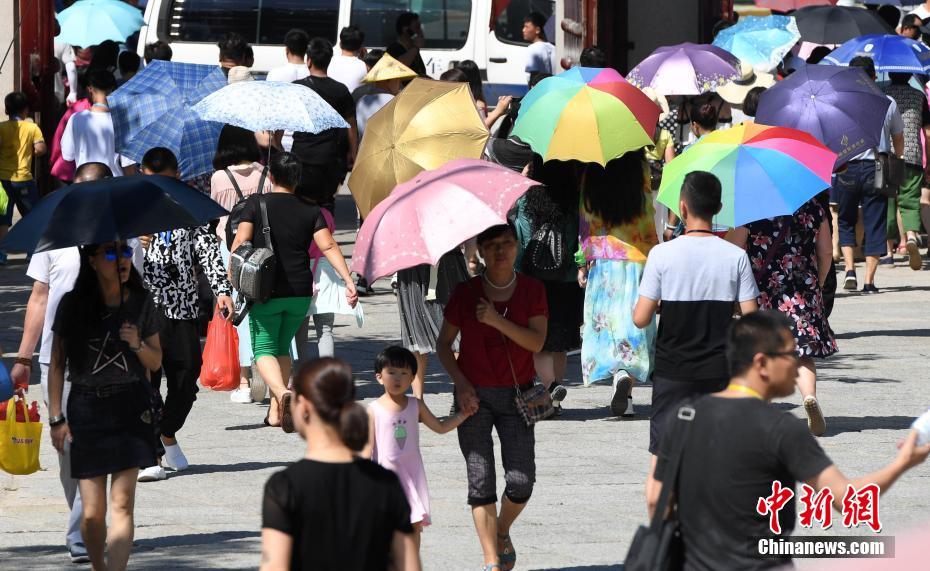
x=508, y=27
x=445, y=22
x=258, y=21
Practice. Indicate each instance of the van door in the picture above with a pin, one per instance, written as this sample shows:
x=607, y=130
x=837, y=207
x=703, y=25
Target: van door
x=506, y=48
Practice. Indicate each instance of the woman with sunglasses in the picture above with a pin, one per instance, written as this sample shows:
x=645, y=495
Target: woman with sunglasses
x=106, y=335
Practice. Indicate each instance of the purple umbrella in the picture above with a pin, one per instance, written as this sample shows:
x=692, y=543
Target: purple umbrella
x=686, y=69
x=840, y=106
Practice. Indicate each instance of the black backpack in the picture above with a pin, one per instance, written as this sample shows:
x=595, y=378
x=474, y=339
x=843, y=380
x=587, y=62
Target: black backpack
x=235, y=213
x=548, y=254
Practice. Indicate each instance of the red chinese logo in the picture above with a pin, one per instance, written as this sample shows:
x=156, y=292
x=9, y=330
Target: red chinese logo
x=816, y=507
x=773, y=504
x=862, y=507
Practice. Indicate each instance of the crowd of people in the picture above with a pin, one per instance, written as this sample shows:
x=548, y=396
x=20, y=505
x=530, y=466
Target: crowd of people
x=721, y=319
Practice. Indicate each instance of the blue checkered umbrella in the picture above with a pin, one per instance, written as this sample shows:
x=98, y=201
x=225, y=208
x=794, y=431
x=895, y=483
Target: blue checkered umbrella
x=153, y=109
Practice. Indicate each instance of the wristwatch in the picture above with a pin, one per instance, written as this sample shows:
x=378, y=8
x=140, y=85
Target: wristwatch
x=56, y=420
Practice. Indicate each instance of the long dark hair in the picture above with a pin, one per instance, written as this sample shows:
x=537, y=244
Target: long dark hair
x=85, y=306
x=556, y=199
x=328, y=384
x=474, y=78
x=616, y=193
x=234, y=146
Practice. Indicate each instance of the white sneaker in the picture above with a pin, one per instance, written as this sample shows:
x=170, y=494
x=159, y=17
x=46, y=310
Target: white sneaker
x=629, y=408
x=619, y=402
x=174, y=458
x=241, y=396
x=152, y=474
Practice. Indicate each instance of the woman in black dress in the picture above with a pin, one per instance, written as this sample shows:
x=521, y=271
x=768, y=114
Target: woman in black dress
x=332, y=510
x=106, y=335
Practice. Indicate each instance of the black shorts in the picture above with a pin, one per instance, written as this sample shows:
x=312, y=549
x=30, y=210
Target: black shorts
x=668, y=394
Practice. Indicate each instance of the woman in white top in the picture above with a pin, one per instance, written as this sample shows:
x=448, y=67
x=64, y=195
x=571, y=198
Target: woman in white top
x=88, y=137
x=236, y=164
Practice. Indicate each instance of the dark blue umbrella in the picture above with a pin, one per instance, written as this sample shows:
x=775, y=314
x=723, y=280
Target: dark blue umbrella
x=109, y=210
x=890, y=52
x=840, y=106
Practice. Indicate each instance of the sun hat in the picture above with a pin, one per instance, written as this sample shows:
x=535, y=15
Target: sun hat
x=388, y=68
x=735, y=91
x=239, y=73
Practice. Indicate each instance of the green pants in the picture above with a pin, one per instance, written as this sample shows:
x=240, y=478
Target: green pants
x=274, y=323
x=908, y=202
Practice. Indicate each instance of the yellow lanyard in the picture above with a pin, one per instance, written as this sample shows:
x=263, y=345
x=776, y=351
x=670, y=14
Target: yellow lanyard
x=744, y=389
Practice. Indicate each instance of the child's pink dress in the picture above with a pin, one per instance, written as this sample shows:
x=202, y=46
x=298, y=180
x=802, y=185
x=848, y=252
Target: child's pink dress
x=397, y=448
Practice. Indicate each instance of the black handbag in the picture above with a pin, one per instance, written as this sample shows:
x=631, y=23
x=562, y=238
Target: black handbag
x=253, y=268
x=659, y=546
x=889, y=174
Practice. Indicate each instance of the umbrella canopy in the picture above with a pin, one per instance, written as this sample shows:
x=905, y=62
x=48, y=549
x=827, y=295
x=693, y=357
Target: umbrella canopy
x=837, y=24
x=428, y=124
x=588, y=114
x=90, y=22
x=790, y=5
x=111, y=209
x=388, y=68
x=270, y=106
x=764, y=171
x=760, y=42
x=433, y=213
x=890, y=52
x=841, y=107
x=153, y=109
x=685, y=69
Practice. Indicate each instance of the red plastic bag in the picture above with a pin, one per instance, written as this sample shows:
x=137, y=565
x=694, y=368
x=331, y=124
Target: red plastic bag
x=220, y=370
x=33, y=412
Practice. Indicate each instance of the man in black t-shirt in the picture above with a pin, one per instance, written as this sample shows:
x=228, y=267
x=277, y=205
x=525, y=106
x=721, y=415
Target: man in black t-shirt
x=409, y=42
x=326, y=156
x=739, y=445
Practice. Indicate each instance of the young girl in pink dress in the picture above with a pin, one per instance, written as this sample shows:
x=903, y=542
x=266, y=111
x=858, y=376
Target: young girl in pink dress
x=394, y=440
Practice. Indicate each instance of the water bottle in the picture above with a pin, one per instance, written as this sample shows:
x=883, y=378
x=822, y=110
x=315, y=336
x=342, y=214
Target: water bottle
x=922, y=426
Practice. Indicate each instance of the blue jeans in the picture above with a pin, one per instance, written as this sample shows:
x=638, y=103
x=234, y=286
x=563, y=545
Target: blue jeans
x=855, y=188
x=25, y=195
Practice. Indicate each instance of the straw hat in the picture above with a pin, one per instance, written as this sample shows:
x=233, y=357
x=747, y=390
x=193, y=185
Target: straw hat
x=239, y=73
x=388, y=68
x=735, y=91
x=659, y=100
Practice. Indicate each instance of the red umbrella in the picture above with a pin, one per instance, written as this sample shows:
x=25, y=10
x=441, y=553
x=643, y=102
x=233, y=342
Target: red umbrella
x=789, y=5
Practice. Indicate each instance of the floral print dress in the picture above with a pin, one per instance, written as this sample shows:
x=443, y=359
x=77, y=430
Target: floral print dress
x=788, y=282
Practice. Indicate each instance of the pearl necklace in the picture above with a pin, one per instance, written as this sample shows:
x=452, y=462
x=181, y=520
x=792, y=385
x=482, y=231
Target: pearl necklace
x=490, y=283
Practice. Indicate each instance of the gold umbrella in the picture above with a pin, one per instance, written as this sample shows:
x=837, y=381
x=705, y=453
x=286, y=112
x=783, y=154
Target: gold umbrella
x=428, y=124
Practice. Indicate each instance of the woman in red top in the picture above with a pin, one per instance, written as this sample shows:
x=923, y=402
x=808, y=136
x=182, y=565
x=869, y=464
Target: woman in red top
x=502, y=317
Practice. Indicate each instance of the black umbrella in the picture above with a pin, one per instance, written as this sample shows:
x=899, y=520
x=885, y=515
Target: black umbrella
x=837, y=24
x=111, y=209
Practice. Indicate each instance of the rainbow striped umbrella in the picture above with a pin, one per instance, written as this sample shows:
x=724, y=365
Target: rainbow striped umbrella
x=764, y=171
x=586, y=114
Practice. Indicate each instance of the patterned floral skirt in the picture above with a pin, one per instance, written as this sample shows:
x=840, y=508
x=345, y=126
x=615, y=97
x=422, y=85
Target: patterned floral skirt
x=610, y=341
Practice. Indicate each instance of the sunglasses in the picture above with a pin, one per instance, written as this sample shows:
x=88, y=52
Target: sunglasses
x=110, y=254
x=793, y=354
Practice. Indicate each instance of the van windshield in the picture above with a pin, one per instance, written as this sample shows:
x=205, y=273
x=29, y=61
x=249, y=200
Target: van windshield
x=445, y=22
x=258, y=21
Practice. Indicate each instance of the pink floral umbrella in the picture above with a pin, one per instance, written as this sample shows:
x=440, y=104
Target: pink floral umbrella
x=434, y=212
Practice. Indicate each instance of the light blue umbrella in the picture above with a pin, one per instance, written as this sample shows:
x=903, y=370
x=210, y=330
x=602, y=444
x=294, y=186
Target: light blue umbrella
x=760, y=42
x=891, y=53
x=270, y=106
x=153, y=109
x=90, y=22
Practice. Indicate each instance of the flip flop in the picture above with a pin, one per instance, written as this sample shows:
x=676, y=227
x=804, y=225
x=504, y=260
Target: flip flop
x=508, y=555
x=287, y=421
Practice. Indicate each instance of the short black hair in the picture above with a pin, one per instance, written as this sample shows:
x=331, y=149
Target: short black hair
x=101, y=79
x=285, y=170
x=395, y=356
x=159, y=160
x=129, y=62
x=158, y=50
x=235, y=145
x=538, y=20
x=351, y=38
x=759, y=332
x=16, y=103
x=296, y=42
x=866, y=63
x=496, y=232
x=593, y=56
x=455, y=74
x=817, y=54
x=94, y=171
x=899, y=78
x=911, y=21
x=705, y=115
x=320, y=53
x=233, y=48
x=751, y=101
x=404, y=20
x=372, y=57
x=701, y=192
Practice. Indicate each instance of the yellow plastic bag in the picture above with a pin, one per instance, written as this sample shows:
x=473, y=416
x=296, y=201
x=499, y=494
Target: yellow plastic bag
x=19, y=441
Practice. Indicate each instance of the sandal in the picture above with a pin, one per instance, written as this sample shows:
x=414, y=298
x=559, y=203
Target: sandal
x=491, y=567
x=507, y=555
x=287, y=421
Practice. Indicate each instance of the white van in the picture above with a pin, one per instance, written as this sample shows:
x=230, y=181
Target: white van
x=454, y=30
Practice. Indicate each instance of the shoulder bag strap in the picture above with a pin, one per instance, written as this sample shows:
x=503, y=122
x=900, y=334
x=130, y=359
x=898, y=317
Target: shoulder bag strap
x=261, y=181
x=685, y=417
x=266, y=227
x=235, y=184
x=513, y=371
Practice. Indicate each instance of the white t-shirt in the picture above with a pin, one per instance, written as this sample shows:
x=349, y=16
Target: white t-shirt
x=922, y=13
x=540, y=57
x=367, y=106
x=288, y=72
x=89, y=138
x=347, y=70
x=59, y=269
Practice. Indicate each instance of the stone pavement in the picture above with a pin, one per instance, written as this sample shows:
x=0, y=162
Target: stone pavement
x=588, y=500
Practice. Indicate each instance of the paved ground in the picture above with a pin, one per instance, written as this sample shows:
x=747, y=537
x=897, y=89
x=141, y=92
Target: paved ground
x=588, y=498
